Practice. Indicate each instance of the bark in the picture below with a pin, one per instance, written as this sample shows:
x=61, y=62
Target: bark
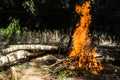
x=13, y=48
x=14, y=57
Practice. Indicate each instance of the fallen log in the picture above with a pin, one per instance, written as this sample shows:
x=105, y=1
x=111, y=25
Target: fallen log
x=18, y=56
x=13, y=48
x=14, y=57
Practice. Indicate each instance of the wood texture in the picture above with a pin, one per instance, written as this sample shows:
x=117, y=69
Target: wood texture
x=13, y=48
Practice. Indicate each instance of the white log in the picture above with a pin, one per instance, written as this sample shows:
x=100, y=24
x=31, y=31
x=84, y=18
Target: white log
x=28, y=47
x=14, y=57
x=17, y=56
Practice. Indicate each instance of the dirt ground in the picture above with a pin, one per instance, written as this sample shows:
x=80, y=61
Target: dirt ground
x=39, y=68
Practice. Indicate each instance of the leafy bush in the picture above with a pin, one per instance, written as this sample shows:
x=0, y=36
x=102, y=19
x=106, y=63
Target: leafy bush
x=12, y=29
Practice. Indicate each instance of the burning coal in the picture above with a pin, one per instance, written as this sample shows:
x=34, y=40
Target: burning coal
x=81, y=44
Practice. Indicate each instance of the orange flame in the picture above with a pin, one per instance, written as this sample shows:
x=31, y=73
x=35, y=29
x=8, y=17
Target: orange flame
x=81, y=44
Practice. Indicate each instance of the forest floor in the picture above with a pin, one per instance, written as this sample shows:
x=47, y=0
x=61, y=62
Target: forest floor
x=38, y=68
x=50, y=67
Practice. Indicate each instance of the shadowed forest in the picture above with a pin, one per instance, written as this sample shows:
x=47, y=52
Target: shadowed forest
x=37, y=38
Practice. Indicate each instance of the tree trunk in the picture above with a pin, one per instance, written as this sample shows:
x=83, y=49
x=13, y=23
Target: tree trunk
x=14, y=57
x=13, y=48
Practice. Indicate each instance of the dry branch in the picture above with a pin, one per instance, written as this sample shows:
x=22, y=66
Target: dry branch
x=13, y=48
x=13, y=73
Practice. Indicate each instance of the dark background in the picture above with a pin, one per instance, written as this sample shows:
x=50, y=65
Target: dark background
x=60, y=15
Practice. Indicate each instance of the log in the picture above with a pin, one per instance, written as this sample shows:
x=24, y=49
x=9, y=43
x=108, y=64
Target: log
x=14, y=57
x=13, y=48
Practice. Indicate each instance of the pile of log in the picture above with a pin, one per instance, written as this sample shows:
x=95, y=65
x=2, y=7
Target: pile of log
x=18, y=52
x=15, y=53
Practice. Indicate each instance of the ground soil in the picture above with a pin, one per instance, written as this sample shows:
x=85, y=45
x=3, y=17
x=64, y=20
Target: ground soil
x=39, y=68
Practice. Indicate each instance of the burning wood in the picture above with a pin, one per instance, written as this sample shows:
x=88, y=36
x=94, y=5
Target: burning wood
x=81, y=44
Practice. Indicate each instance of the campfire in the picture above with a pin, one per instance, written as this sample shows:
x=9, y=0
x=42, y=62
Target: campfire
x=81, y=41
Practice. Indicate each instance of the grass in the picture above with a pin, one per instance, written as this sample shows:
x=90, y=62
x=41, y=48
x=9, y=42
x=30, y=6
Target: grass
x=62, y=75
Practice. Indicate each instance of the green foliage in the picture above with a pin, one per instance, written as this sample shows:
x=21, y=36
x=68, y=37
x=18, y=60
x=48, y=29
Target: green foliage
x=29, y=5
x=62, y=75
x=13, y=28
x=60, y=14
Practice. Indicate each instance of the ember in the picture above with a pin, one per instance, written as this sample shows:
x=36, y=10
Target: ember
x=81, y=44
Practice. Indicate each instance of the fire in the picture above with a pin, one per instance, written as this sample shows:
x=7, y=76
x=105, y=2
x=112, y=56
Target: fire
x=81, y=44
